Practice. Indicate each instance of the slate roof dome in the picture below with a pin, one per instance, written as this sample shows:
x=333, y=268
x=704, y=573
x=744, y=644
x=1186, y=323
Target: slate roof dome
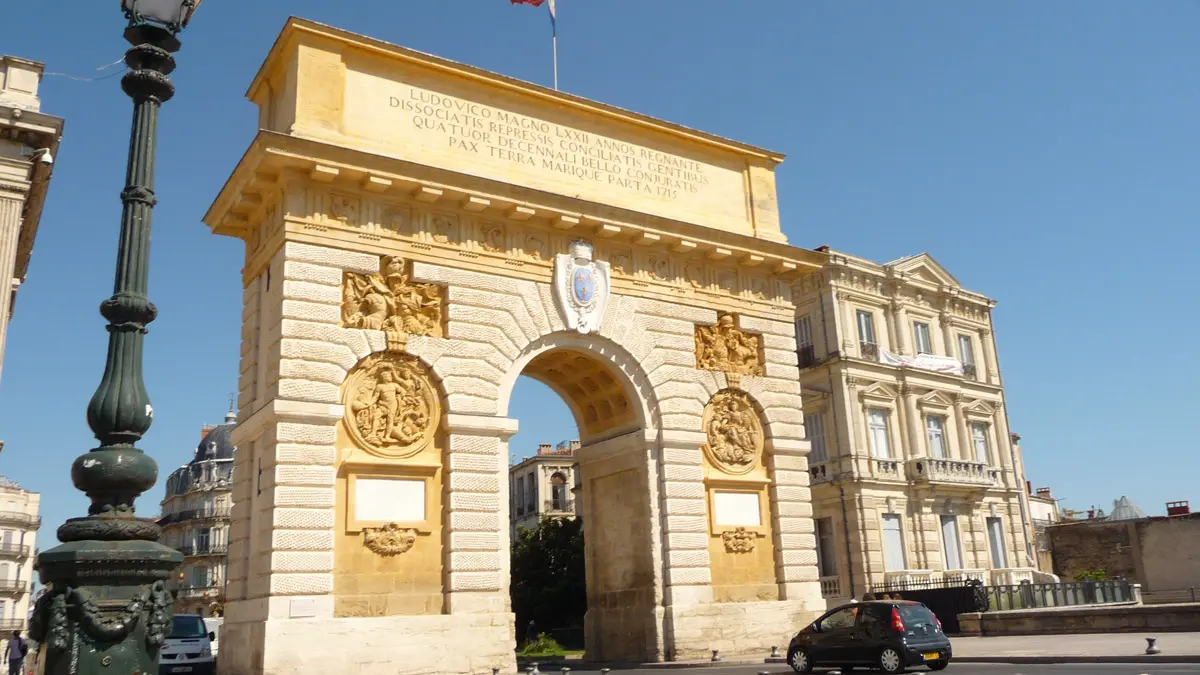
x=217, y=443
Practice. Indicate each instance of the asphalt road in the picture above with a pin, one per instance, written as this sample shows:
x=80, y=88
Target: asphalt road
x=954, y=669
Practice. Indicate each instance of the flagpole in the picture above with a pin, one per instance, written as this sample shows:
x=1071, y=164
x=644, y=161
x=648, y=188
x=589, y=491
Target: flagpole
x=554, y=40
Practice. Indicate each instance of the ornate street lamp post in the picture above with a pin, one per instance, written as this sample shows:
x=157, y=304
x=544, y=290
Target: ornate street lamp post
x=108, y=609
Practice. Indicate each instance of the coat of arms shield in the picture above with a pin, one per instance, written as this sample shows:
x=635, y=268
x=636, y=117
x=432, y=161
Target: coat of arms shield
x=581, y=287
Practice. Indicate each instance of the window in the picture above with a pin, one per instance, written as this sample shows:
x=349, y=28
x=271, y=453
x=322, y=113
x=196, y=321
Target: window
x=893, y=543
x=995, y=530
x=530, y=494
x=877, y=426
x=520, y=504
x=935, y=430
x=4, y=609
x=5, y=569
x=866, y=327
x=921, y=338
x=826, y=548
x=203, y=539
x=814, y=426
x=201, y=577
x=558, y=492
x=979, y=438
x=843, y=618
x=950, y=543
x=804, y=343
x=965, y=353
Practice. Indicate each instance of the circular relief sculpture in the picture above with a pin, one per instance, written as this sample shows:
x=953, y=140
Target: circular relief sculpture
x=391, y=409
x=735, y=435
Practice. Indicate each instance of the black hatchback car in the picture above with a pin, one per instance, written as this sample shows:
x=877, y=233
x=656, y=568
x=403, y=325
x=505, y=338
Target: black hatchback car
x=890, y=635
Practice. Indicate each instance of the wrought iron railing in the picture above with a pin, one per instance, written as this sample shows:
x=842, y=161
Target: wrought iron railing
x=194, y=514
x=204, y=549
x=806, y=355
x=19, y=550
x=198, y=591
x=1065, y=594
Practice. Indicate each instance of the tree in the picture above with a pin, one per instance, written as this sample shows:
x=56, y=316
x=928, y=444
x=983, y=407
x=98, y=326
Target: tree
x=548, y=583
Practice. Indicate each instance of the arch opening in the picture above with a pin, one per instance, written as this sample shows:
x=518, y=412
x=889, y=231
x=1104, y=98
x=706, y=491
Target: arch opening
x=589, y=497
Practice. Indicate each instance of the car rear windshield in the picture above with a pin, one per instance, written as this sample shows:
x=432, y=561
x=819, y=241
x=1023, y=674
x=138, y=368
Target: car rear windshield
x=187, y=627
x=916, y=615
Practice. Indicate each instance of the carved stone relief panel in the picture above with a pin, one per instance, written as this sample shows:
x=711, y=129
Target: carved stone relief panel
x=727, y=280
x=392, y=409
x=343, y=209
x=391, y=301
x=738, y=540
x=389, y=540
x=693, y=273
x=733, y=431
x=621, y=261
x=491, y=238
x=727, y=347
x=658, y=267
x=445, y=228
x=535, y=246
x=397, y=219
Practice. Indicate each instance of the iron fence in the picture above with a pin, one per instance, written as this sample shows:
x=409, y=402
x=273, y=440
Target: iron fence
x=946, y=597
x=1065, y=594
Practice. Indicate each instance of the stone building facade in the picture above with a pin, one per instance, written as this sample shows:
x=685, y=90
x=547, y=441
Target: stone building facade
x=28, y=143
x=543, y=485
x=195, y=520
x=914, y=473
x=418, y=234
x=19, y=523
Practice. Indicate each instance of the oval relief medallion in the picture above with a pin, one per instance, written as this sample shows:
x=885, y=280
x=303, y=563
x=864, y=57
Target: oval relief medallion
x=391, y=409
x=735, y=435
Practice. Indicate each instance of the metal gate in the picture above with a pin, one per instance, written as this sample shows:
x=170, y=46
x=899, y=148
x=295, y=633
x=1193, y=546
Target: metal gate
x=946, y=598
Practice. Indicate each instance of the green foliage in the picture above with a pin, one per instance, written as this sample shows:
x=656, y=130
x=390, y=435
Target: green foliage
x=548, y=584
x=1092, y=575
x=542, y=645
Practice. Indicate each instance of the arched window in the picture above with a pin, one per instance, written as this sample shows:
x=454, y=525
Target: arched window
x=558, y=492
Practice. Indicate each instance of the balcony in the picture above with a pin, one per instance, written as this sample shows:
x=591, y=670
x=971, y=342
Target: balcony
x=963, y=576
x=886, y=468
x=868, y=351
x=19, y=519
x=558, y=506
x=16, y=550
x=9, y=625
x=193, y=592
x=952, y=472
x=969, y=371
x=13, y=586
x=806, y=356
x=1013, y=576
x=820, y=473
x=189, y=515
x=204, y=549
x=831, y=587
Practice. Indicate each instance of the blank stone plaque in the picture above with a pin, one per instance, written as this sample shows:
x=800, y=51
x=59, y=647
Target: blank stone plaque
x=736, y=509
x=389, y=500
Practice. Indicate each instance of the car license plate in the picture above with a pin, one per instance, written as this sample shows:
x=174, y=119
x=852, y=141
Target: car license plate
x=181, y=669
x=931, y=656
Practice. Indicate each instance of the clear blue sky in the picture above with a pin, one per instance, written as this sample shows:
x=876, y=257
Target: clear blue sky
x=1045, y=152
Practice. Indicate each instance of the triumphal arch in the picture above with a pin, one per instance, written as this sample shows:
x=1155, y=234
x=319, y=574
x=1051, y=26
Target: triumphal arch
x=418, y=234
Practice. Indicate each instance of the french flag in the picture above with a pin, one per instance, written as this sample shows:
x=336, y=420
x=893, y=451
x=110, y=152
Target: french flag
x=538, y=3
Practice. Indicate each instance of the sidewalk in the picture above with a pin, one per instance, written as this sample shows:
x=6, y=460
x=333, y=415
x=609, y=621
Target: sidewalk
x=1077, y=648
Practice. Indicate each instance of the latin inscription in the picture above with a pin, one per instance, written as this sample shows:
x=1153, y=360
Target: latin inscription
x=465, y=126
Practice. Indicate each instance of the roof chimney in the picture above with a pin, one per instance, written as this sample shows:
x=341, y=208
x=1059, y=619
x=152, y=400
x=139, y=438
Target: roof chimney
x=544, y=448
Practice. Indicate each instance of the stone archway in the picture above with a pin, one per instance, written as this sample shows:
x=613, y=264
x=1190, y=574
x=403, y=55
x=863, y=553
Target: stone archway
x=395, y=288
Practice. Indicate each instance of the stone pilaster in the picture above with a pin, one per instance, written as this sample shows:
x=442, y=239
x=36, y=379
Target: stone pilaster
x=12, y=203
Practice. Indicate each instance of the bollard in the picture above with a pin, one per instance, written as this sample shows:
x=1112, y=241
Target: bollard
x=565, y=670
x=716, y=655
x=604, y=671
x=774, y=652
x=1152, y=648
x=535, y=670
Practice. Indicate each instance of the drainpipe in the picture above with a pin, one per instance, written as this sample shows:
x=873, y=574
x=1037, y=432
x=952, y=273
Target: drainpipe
x=838, y=481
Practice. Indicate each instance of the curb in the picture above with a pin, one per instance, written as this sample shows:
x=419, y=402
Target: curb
x=627, y=665
x=1050, y=660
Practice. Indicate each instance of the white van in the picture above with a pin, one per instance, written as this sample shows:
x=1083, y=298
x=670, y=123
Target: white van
x=188, y=649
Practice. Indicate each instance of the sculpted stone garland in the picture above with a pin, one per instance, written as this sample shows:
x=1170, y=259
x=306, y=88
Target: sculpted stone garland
x=391, y=301
x=738, y=540
x=733, y=431
x=728, y=348
x=391, y=408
